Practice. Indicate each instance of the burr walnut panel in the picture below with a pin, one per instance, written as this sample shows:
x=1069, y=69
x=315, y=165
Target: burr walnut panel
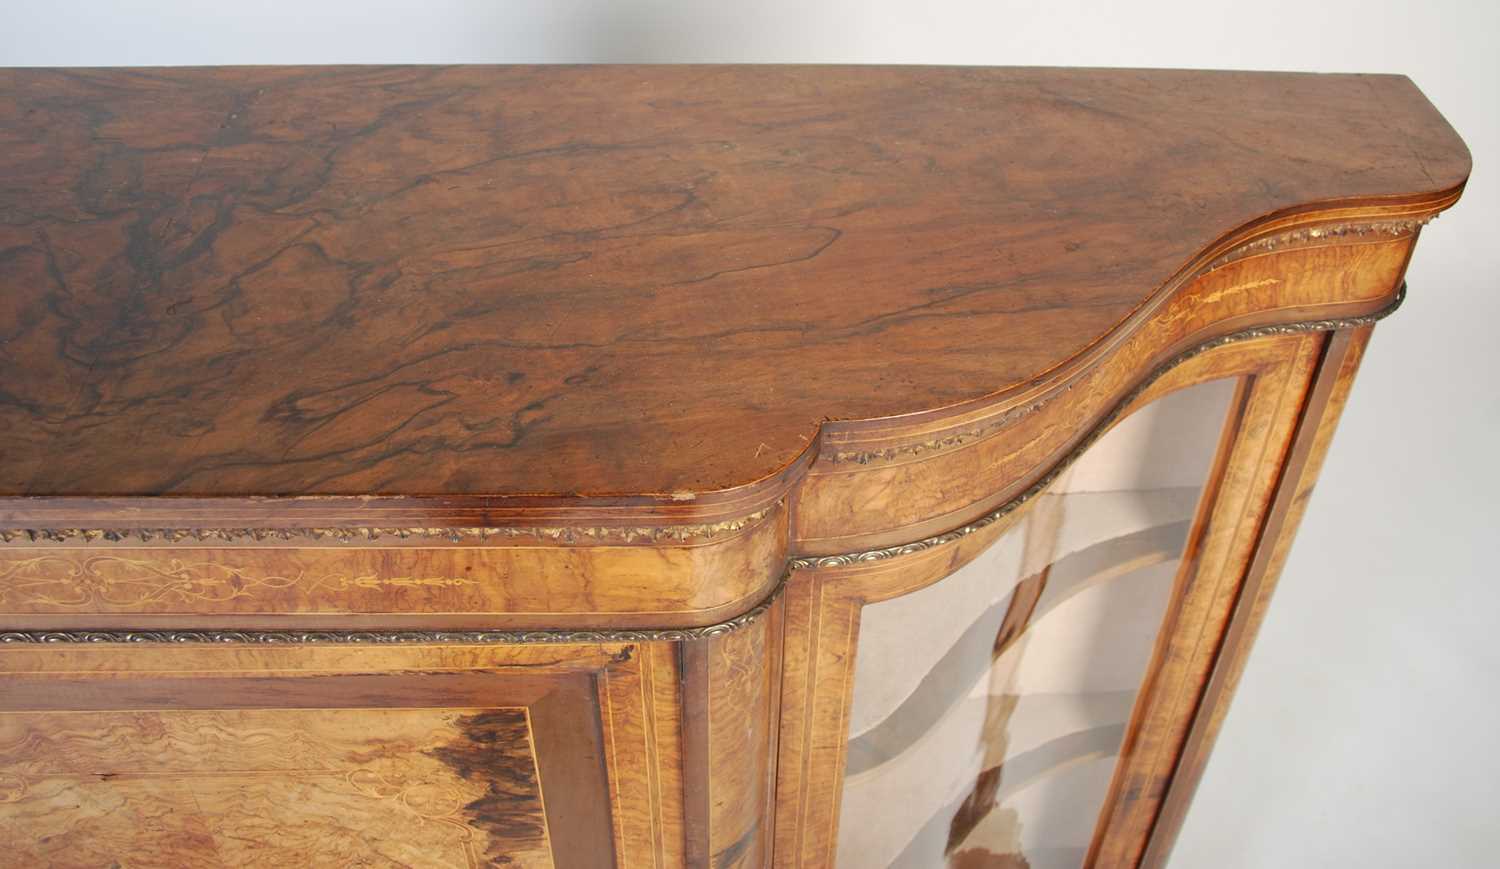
x=288, y=787
x=492, y=465
x=430, y=756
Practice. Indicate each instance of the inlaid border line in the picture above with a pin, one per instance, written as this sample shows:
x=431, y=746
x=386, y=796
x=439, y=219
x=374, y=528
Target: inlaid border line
x=487, y=637
x=398, y=638
x=1098, y=431
x=583, y=534
x=977, y=431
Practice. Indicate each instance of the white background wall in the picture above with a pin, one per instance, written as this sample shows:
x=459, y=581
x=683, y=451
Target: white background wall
x=1365, y=730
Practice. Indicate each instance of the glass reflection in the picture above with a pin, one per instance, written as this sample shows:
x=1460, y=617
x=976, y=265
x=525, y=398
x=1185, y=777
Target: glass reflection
x=989, y=708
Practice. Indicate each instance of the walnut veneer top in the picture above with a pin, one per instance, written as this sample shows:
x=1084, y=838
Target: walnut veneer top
x=607, y=281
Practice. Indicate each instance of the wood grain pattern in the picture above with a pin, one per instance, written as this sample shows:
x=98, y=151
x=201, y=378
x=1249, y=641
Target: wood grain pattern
x=409, y=281
x=517, y=348
x=892, y=494
x=652, y=754
x=823, y=605
x=1326, y=401
x=425, y=756
x=46, y=586
x=647, y=797
x=732, y=695
x=821, y=635
x=269, y=787
x=1206, y=590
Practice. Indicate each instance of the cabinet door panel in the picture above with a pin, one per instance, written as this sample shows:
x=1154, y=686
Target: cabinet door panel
x=989, y=708
x=420, y=756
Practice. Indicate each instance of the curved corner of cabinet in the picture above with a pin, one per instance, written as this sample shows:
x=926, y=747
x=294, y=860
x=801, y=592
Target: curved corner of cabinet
x=700, y=675
x=891, y=508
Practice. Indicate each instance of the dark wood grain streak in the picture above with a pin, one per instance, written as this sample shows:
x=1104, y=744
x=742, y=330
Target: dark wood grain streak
x=290, y=353
x=503, y=747
x=495, y=748
x=612, y=285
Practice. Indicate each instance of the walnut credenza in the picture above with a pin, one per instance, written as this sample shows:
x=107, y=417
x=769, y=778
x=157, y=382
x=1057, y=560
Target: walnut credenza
x=637, y=466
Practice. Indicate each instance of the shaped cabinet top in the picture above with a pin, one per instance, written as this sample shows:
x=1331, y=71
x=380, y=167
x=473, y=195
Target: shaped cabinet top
x=616, y=285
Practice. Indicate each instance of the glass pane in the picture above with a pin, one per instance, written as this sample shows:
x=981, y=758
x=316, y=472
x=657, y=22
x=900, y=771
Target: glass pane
x=989, y=708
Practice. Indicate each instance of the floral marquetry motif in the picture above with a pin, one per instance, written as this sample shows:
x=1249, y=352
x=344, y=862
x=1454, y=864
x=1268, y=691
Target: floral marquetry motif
x=635, y=466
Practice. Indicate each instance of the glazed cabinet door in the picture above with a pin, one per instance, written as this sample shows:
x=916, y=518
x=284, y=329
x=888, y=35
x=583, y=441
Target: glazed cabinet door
x=759, y=466
x=989, y=709
x=1025, y=690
